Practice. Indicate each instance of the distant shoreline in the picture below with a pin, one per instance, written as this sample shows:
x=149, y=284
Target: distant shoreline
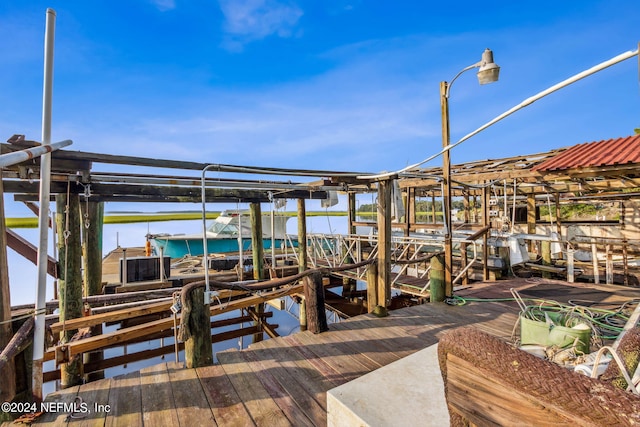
x=141, y=217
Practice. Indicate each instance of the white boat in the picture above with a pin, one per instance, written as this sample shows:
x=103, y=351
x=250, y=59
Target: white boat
x=224, y=235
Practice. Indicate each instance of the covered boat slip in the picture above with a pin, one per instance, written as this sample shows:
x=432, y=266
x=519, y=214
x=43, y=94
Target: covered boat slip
x=284, y=381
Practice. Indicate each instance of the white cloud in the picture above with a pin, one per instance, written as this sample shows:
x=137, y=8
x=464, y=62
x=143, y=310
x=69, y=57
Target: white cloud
x=249, y=20
x=164, y=5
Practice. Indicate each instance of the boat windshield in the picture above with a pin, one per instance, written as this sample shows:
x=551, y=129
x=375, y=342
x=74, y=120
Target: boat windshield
x=221, y=228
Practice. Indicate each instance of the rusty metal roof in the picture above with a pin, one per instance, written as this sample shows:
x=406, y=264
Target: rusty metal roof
x=610, y=152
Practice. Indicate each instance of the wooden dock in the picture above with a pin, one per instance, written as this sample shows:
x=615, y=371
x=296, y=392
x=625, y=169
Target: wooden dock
x=284, y=381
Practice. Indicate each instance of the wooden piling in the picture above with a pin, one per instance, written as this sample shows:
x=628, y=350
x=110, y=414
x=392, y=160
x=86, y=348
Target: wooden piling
x=257, y=247
x=314, y=295
x=257, y=250
x=486, y=222
x=70, y=283
x=351, y=213
x=7, y=373
x=411, y=208
x=92, y=226
x=384, y=242
x=302, y=236
x=436, y=279
x=372, y=287
x=303, y=314
x=195, y=329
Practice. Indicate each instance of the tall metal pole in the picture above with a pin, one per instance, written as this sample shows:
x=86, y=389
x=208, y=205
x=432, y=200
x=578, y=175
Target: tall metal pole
x=446, y=191
x=43, y=217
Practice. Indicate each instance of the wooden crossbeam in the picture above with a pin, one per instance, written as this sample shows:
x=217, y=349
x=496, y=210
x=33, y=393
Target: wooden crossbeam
x=122, y=336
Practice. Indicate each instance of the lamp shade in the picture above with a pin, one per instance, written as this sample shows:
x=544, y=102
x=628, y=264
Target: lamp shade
x=489, y=70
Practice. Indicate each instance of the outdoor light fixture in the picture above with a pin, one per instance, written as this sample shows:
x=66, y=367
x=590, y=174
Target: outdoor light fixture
x=488, y=72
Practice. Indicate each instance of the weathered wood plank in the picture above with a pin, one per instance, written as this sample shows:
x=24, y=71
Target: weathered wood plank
x=58, y=416
x=345, y=367
x=95, y=395
x=373, y=352
x=280, y=396
x=158, y=405
x=125, y=401
x=191, y=403
x=113, y=316
x=290, y=381
x=264, y=411
x=312, y=375
x=226, y=405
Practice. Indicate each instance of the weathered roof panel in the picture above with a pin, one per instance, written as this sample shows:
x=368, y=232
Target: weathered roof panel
x=608, y=152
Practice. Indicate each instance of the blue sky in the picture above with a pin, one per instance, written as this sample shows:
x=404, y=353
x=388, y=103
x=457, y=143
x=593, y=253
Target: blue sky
x=332, y=84
x=335, y=84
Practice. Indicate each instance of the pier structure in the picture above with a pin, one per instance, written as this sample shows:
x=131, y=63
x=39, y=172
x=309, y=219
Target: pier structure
x=496, y=194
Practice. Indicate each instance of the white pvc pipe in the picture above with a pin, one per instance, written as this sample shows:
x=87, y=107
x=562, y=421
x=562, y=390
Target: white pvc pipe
x=43, y=217
x=526, y=102
x=10, y=159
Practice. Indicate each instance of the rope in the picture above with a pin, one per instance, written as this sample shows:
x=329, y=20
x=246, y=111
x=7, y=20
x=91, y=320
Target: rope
x=606, y=324
x=30, y=313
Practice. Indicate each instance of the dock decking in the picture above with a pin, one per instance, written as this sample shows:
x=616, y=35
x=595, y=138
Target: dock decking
x=284, y=381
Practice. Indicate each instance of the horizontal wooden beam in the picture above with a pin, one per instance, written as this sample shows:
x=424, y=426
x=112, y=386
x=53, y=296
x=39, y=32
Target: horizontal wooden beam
x=123, y=335
x=153, y=193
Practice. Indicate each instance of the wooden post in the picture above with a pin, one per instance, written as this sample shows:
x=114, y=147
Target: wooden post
x=372, y=287
x=436, y=279
x=558, y=220
x=314, y=295
x=609, y=266
x=433, y=207
x=70, y=284
x=625, y=263
x=302, y=236
x=257, y=245
x=594, y=259
x=406, y=197
x=411, y=207
x=351, y=213
x=467, y=216
x=546, y=257
x=8, y=389
x=257, y=249
x=570, y=266
x=198, y=350
x=485, y=237
x=531, y=218
x=93, y=215
x=474, y=212
x=384, y=242
x=558, y=214
x=463, y=263
x=303, y=314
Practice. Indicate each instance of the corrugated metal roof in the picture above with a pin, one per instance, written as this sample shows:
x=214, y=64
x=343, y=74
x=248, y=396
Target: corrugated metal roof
x=608, y=152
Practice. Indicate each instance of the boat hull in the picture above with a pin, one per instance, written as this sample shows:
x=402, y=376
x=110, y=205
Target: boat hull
x=178, y=248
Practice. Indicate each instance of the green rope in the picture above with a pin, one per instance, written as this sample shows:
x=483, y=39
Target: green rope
x=606, y=323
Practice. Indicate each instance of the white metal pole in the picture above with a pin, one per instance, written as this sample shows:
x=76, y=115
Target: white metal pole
x=43, y=217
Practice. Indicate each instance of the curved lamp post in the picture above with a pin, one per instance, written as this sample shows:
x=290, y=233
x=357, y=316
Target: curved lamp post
x=488, y=72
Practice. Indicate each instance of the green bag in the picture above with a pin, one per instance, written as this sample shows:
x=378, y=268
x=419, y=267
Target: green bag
x=549, y=332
